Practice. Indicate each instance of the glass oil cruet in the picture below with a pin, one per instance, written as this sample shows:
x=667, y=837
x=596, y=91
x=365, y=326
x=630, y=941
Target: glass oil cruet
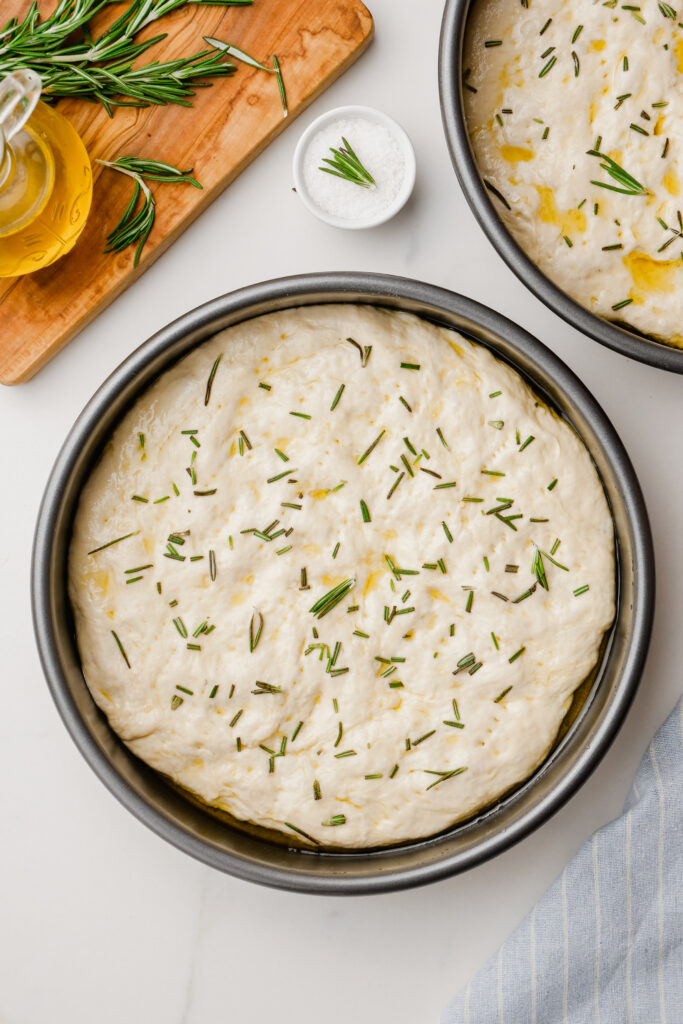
x=45, y=178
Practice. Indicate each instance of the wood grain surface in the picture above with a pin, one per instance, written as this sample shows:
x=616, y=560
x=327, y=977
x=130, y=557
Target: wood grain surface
x=229, y=125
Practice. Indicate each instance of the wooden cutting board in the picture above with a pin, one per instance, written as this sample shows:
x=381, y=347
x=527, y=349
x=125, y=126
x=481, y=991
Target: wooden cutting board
x=229, y=125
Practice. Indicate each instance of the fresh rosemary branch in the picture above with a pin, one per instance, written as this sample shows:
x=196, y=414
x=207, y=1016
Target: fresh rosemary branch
x=234, y=51
x=71, y=62
x=347, y=165
x=136, y=224
x=629, y=185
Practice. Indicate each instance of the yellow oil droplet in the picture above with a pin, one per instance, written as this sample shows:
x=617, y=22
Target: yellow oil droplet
x=110, y=613
x=319, y=495
x=456, y=348
x=99, y=579
x=238, y=598
x=567, y=221
x=438, y=595
x=243, y=402
x=249, y=579
x=650, y=275
x=396, y=706
x=311, y=549
x=516, y=154
x=671, y=183
x=659, y=125
x=105, y=695
x=371, y=582
x=148, y=544
x=233, y=448
x=597, y=45
x=390, y=534
x=678, y=49
x=332, y=581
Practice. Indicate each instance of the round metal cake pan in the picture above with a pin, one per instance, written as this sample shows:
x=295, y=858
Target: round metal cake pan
x=620, y=338
x=258, y=858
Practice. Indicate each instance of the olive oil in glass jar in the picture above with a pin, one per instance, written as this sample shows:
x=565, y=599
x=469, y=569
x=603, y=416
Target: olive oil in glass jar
x=45, y=179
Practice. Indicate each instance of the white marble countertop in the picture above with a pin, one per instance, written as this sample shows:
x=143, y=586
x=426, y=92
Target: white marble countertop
x=101, y=921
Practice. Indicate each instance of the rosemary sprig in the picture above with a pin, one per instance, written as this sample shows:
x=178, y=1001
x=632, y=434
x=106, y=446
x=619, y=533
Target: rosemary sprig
x=234, y=51
x=629, y=186
x=347, y=165
x=136, y=224
x=70, y=62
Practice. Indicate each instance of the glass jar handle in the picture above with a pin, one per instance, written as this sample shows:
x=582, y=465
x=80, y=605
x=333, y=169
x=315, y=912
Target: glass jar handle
x=19, y=93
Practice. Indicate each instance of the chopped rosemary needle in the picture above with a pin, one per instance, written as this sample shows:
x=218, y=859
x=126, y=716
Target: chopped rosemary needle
x=209, y=383
x=443, y=776
x=335, y=401
x=255, y=629
x=117, y=540
x=368, y=451
x=266, y=688
x=332, y=598
x=299, y=831
x=123, y=653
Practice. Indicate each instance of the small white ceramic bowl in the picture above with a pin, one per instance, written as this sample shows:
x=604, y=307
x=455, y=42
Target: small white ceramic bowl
x=369, y=114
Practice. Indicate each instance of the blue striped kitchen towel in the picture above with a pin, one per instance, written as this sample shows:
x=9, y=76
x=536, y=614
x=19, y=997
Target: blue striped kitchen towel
x=605, y=943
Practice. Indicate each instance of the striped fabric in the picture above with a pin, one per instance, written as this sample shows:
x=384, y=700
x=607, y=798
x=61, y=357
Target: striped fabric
x=605, y=943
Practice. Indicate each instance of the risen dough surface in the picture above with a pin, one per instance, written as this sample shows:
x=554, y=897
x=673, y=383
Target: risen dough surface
x=378, y=725
x=546, y=84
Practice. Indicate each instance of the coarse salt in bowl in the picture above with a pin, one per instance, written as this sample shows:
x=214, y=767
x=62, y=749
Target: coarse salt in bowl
x=383, y=148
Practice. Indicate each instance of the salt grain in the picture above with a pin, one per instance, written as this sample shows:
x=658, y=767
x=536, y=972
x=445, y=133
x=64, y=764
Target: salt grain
x=380, y=153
